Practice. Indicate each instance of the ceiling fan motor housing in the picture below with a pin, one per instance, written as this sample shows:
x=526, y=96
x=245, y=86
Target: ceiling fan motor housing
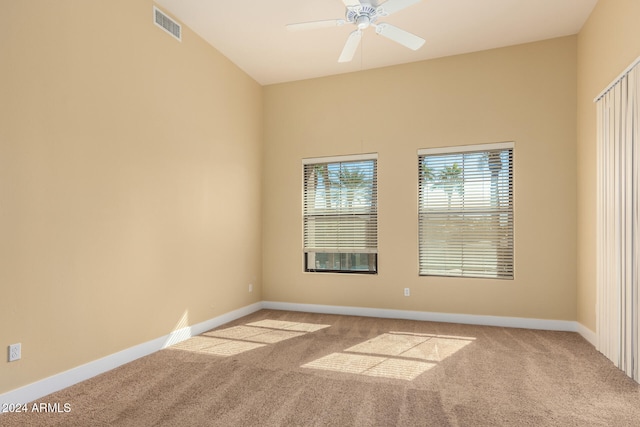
x=363, y=16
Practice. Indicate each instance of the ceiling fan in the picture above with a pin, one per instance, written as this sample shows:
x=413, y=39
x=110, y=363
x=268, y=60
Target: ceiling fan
x=364, y=14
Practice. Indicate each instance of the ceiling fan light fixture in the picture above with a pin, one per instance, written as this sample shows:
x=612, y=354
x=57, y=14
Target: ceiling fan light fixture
x=363, y=21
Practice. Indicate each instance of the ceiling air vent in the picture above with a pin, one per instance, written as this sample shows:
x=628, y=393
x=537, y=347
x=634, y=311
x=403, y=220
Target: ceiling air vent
x=167, y=24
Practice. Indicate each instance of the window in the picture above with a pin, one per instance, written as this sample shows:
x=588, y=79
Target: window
x=465, y=211
x=341, y=214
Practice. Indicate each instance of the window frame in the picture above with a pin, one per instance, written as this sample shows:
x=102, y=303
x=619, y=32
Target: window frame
x=371, y=212
x=508, y=273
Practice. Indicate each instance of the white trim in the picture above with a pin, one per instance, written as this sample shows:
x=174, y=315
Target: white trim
x=468, y=319
x=467, y=148
x=587, y=334
x=80, y=373
x=346, y=158
x=617, y=79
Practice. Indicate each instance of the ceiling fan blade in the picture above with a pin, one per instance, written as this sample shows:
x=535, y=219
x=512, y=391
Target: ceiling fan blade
x=393, y=6
x=350, y=46
x=398, y=35
x=351, y=3
x=316, y=24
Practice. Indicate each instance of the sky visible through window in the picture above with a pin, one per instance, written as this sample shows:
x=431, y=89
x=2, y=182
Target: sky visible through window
x=465, y=207
x=464, y=180
x=345, y=185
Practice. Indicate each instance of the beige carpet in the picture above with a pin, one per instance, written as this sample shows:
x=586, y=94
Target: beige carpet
x=278, y=368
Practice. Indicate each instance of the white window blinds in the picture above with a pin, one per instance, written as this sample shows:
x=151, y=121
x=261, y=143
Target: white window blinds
x=465, y=211
x=340, y=205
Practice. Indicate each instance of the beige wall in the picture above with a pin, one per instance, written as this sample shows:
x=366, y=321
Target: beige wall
x=130, y=172
x=608, y=42
x=131, y=200
x=525, y=94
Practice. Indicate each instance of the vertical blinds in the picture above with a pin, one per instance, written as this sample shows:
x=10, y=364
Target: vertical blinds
x=465, y=211
x=340, y=205
x=618, y=231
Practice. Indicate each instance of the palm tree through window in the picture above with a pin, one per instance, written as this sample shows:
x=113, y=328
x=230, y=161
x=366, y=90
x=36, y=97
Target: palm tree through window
x=465, y=211
x=340, y=215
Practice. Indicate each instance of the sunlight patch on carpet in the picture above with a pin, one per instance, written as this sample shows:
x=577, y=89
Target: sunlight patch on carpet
x=389, y=344
x=437, y=349
x=434, y=348
x=236, y=332
x=373, y=366
x=397, y=355
x=251, y=333
x=289, y=326
x=401, y=369
x=216, y=346
x=342, y=362
x=238, y=339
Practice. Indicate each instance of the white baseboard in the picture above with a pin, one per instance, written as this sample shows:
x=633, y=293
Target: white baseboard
x=469, y=319
x=75, y=375
x=587, y=334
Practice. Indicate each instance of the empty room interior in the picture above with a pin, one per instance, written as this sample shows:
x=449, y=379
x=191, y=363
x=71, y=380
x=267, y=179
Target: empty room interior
x=154, y=188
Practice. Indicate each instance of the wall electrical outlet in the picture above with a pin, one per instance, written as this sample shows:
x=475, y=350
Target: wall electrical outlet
x=407, y=292
x=250, y=287
x=15, y=352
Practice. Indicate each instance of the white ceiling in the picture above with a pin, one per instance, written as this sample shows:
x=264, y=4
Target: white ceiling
x=252, y=33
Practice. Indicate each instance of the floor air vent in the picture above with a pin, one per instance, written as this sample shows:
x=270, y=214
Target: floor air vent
x=167, y=24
